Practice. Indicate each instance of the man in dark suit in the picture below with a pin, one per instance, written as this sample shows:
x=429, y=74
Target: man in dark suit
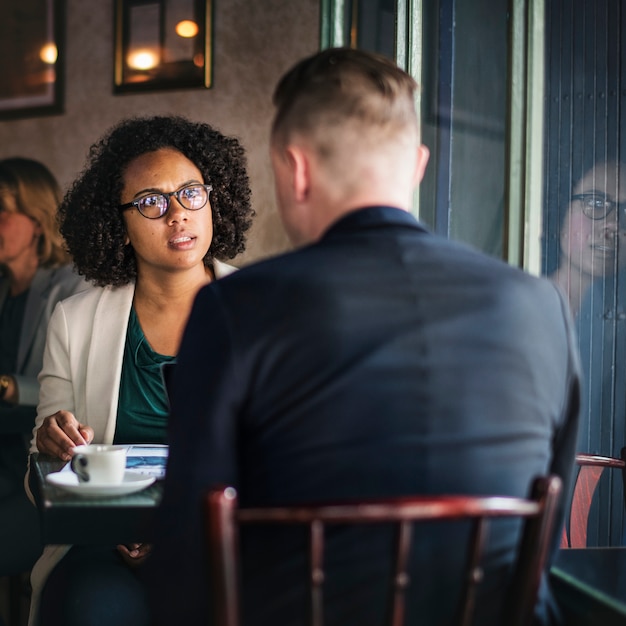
x=375, y=360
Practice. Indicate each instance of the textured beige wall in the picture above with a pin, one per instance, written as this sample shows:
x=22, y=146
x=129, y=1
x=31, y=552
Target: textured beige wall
x=255, y=41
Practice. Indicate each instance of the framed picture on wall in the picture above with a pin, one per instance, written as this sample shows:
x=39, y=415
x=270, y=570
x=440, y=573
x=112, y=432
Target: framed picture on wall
x=162, y=44
x=31, y=57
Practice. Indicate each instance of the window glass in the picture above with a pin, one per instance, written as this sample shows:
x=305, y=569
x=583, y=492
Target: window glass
x=584, y=234
x=470, y=115
x=370, y=25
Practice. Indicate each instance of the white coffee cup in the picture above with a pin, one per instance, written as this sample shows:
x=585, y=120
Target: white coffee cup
x=99, y=464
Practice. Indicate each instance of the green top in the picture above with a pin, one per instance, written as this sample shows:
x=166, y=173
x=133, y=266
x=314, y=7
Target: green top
x=143, y=408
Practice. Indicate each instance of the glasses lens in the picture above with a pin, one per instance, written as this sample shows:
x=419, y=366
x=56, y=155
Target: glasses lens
x=154, y=205
x=193, y=197
x=596, y=207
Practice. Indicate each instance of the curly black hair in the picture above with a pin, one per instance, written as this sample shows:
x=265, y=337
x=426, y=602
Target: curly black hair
x=92, y=224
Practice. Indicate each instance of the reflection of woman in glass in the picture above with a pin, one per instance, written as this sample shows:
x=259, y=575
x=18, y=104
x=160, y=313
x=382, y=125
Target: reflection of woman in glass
x=593, y=232
x=592, y=255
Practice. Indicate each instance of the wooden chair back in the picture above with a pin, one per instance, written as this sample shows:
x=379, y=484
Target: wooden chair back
x=224, y=517
x=590, y=470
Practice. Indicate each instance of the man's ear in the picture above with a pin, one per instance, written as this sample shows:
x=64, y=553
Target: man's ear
x=420, y=164
x=300, y=168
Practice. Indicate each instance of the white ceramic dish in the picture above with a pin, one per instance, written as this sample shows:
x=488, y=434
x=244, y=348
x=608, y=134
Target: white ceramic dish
x=69, y=482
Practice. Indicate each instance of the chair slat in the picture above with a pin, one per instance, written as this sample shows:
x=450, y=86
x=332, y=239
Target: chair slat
x=533, y=549
x=473, y=571
x=224, y=554
x=401, y=579
x=317, y=572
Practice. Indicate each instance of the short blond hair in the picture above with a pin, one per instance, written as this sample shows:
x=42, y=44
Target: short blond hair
x=37, y=195
x=343, y=89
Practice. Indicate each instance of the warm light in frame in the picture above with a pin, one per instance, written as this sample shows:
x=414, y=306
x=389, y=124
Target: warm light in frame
x=49, y=53
x=161, y=45
x=187, y=29
x=143, y=59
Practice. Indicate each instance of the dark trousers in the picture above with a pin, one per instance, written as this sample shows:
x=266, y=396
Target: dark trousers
x=92, y=586
x=20, y=534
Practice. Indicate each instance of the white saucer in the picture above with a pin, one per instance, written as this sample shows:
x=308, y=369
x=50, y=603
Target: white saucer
x=69, y=481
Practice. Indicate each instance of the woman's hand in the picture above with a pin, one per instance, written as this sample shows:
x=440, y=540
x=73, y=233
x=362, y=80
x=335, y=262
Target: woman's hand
x=134, y=554
x=60, y=433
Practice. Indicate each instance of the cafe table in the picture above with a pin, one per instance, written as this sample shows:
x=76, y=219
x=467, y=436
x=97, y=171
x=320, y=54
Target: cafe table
x=70, y=518
x=590, y=585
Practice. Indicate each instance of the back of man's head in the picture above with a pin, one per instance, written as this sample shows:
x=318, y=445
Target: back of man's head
x=348, y=92
x=345, y=136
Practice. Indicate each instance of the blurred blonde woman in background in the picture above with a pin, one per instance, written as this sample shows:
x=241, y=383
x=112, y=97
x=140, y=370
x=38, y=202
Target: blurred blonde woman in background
x=35, y=273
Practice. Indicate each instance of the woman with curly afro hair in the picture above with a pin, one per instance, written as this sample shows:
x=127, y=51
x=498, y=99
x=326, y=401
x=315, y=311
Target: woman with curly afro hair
x=161, y=204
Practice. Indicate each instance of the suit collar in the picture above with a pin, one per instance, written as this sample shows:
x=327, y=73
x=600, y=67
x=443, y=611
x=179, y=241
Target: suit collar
x=374, y=217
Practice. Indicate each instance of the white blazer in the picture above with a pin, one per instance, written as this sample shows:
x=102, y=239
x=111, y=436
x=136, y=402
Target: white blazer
x=82, y=367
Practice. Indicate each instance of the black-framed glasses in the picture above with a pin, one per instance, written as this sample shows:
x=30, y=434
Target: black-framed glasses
x=155, y=205
x=597, y=206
